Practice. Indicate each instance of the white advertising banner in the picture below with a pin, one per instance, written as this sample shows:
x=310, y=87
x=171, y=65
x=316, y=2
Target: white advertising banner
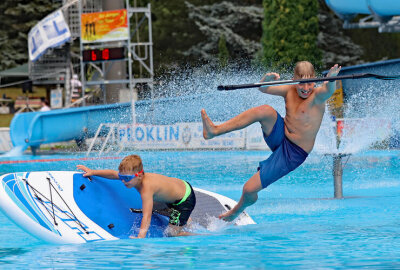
x=255, y=138
x=177, y=136
x=50, y=32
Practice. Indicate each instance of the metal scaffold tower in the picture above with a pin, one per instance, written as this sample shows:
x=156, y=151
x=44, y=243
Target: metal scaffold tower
x=132, y=57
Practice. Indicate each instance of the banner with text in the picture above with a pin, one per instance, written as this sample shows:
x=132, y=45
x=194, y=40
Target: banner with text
x=50, y=32
x=254, y=138
x=177, y=136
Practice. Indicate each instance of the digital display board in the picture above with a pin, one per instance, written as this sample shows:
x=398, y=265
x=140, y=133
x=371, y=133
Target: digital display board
x=105, y=54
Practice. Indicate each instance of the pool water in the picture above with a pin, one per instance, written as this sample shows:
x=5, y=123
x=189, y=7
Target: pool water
x=299, y=225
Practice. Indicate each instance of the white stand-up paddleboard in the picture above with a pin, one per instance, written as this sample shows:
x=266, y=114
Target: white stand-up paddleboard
x=65, y=207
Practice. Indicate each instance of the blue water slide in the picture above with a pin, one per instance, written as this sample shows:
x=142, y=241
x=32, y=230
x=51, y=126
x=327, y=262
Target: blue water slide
x=36, y=128
x=382, y=8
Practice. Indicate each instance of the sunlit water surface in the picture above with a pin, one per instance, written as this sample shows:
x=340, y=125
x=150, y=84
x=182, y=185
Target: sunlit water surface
x=299, y=225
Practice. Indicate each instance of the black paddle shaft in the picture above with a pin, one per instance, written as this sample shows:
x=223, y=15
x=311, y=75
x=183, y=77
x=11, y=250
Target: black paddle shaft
x=311, y=80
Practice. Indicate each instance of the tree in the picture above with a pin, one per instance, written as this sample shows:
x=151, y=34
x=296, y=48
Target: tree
x=240, y=26
x=223, y=53
x=17, y=18
x=186, y=32
x=290, y=30
x=173, y=31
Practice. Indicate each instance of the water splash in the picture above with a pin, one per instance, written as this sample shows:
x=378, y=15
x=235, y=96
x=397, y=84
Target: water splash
x=325, y=142
x=214, y=224
x=15, y=151
x=180, y=96
x=371, y=118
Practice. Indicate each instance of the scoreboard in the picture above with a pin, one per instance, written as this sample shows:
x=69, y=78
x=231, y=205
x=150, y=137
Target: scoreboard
x=104, y=54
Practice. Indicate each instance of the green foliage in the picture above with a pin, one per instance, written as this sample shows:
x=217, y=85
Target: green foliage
x=290, y=31
x=17, y=18
x=223, y=53
x=173, y=31
x=377, y=46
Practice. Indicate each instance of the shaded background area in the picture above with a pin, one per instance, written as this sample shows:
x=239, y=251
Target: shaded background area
x=188, y=33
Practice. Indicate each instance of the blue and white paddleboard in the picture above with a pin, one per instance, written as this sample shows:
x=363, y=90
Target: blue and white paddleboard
x=65, y=207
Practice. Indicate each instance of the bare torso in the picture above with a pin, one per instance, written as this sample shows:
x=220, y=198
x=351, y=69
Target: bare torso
x=303, y=119
x=166, y=189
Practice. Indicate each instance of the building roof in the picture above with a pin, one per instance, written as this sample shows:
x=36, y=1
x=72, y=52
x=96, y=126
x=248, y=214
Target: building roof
x=18, y=71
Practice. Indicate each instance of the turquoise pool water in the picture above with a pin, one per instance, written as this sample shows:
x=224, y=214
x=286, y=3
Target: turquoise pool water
x=299, y=225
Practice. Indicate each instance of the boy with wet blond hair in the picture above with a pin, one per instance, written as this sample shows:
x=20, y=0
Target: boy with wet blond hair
x=131, y=163
x=177, y=194
x=291, y=139
x=303, y=69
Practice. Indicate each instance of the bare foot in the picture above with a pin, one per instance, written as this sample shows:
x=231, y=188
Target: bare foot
x=208, y=126
x=229, y=216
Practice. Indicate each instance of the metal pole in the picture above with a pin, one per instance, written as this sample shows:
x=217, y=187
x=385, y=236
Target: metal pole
x=131, y=83
x=82, y=64
x=117, y=69
x=148, y=13
x=337, y=176
x=67, y=87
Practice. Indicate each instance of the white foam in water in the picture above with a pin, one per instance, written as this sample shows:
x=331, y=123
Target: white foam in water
x=15, y=151
x=378, y=184
x=214, y=225
x=303, y=208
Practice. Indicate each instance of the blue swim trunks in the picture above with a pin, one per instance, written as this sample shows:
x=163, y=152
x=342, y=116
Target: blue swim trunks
x=286, y=156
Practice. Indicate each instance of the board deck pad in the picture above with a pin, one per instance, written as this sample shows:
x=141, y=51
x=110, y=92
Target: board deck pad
x=206, y=207
x=108, y=203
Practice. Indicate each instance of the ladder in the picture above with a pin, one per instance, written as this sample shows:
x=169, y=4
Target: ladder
x=109, y=141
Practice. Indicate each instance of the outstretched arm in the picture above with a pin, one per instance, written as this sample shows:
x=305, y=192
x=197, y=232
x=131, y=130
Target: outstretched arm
x=328, y=88
x=277, y=90
x=111, y=174
x=147, y=206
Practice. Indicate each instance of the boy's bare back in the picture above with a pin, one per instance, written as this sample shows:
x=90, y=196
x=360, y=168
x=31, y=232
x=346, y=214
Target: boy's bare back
x=165, y=189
